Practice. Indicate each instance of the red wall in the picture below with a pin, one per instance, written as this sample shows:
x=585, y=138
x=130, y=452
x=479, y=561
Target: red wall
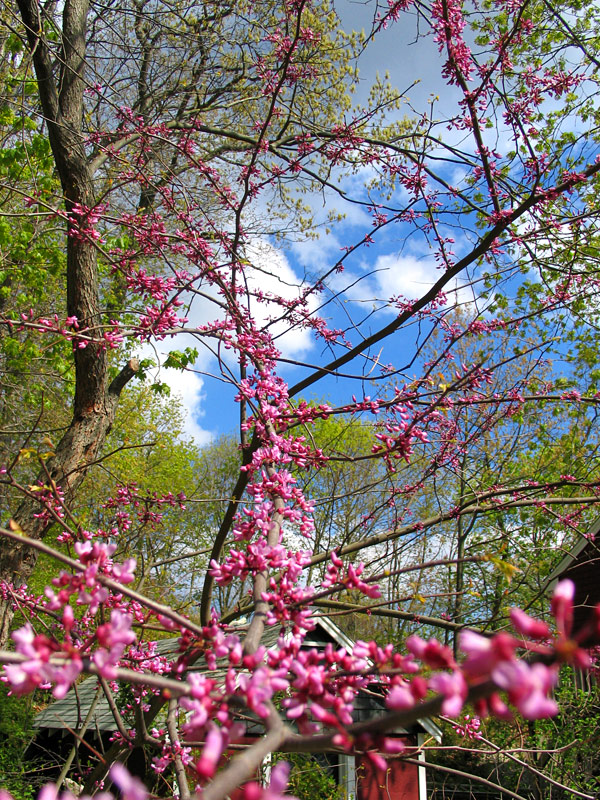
x=399, y=782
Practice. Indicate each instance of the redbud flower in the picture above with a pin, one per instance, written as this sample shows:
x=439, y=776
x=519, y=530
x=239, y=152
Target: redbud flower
x=206, y=766
x=131, y=788
x=562, y=606
x=454, y=688
x=527, y=686
x=528, y=626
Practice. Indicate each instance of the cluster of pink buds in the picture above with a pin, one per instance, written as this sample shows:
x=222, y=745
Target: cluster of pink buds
x=38, y=671
x=469, y=728
x=350, y=578
x=47, y=660
x=96, y=556
x=129, y=788
x=82, y=222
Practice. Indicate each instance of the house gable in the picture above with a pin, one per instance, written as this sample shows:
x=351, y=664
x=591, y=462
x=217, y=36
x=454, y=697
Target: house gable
x=582, y=566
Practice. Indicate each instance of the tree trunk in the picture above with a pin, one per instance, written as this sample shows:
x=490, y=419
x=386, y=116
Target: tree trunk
x=95, y=401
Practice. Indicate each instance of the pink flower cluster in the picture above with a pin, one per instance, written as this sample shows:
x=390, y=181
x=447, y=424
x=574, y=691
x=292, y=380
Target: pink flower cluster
x=49, y=660
x=276, y=790
x=349, y=578
x=38, y=671
x=469, y=728
x=129, y=788
x=527, y=683
x=82, y=222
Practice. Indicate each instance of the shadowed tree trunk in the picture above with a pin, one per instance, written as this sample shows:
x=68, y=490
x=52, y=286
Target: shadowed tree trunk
x=95, y=399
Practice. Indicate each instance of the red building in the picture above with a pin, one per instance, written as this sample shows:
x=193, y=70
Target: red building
x=582, y=565
x=402, y=780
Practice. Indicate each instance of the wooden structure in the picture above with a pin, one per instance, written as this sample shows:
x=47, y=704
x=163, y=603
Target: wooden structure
x=355, y=774
x=582, y=565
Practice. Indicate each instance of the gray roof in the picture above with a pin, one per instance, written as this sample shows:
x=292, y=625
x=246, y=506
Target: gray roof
x=69, y=713
x=574, y=553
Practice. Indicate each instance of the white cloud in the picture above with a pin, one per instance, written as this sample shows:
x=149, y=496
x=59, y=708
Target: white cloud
x=190, y=387
x=392, y=275
x=268, y=272
x=318, y=255
x=405, y=275
x=273, y=275
x=411, y=277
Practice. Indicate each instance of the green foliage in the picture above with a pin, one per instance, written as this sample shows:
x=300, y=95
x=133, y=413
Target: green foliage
x=146, y=448
x=310, y=779
x=19, y=777
x=574, y=735
x=565, y=748
x=180, y=359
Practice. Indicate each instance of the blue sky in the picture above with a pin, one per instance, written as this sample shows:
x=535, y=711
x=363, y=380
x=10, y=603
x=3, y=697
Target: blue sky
x=399, y=262
x=392, y=265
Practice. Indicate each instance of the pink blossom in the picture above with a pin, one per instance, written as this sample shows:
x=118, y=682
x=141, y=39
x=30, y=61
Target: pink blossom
x=454, y=688
x=432, y=653
x=528, y=626
x=400, y=698
x=131, y=788
x=38, y=670
x=206, y=766
x=485, y=653
x=48, y=792
x=562, y=606
x=112, y=637
x=276, y=790
x=528, y=687
x=117, y=631
x=469, y=728
x=377, y=760
x=124, y=572
x=392, y=746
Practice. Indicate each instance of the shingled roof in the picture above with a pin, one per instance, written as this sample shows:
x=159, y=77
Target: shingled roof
x=69, y=713
x=582, y=566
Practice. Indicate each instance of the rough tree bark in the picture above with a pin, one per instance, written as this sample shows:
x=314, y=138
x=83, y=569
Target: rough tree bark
x=95, y=399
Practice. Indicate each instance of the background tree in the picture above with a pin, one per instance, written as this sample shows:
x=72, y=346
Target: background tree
x=178, y=134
